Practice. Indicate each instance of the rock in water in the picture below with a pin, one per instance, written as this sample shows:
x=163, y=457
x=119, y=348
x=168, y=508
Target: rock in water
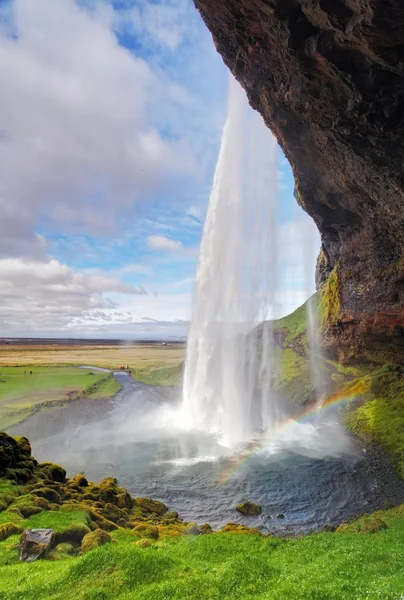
x=249, y=508
x=35, y=543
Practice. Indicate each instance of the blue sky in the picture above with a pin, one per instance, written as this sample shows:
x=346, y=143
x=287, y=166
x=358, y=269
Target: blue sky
x=110, y=124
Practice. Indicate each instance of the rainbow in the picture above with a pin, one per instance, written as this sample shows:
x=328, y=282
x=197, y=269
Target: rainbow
x=337, y=399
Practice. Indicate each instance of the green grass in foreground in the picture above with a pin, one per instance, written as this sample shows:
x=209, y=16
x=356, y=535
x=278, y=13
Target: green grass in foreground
x=21, y=395
x=345, y=565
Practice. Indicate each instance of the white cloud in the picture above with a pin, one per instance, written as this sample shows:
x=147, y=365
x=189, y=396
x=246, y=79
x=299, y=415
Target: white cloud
x=37, y=295
x=160, y=243
x=78, y=140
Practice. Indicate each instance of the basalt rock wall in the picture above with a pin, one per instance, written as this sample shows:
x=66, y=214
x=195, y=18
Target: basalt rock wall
x=327, y=77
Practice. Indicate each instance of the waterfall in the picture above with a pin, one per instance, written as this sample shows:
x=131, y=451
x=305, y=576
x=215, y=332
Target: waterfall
x=227, y=388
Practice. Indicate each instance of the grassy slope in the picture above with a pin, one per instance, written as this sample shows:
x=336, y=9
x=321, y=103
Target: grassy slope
x=364, y=560
x=21, y=394
x=379, y=413
x=376, y=413
x=224, y=566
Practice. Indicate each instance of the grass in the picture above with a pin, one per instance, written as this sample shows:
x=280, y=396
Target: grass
x=160, y=375
x=21, y=395
x=57, y=377
x=353, y=564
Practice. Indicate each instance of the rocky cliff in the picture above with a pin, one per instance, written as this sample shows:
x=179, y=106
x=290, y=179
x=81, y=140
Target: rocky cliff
x=327, y=77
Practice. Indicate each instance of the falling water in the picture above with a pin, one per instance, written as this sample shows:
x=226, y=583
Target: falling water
x=235, y=288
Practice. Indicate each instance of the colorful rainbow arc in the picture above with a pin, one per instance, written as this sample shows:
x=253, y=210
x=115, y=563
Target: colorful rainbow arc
x=331, y=401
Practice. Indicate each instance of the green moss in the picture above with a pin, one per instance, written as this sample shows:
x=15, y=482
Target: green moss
x=330, y=300
x=9, y=529
x=249, y=508
x=147, y=531
x=381, y=418
x=94, y=540
x=150, y=506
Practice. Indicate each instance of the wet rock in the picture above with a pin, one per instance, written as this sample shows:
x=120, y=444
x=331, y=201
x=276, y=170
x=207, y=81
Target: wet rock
x=281, y=516
x=205, y=529
x=249, y=509
x=94, y=540
x=327, y=77
x=35, y=543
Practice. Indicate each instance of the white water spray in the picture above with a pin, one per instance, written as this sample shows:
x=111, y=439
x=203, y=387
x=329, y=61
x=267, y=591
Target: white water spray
x=235, y=288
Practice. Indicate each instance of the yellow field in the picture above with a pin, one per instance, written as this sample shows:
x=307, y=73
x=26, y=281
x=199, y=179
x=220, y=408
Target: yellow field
x=98, y=356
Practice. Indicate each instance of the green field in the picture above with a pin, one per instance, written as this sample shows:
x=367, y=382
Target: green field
x=22, y=394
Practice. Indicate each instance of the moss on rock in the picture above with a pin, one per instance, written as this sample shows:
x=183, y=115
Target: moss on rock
x=249, y=508
x=94, y=540
x=9, y=529
x=330, y=302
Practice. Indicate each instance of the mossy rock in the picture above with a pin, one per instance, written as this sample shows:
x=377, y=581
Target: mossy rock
x=113, y=513
x=80, y=480
x=57, y=473
x=369, y=524
x=168, y=531
x=30, y=510
x=95, y=539
x=18, y=475
x=205, y=529
x=102, y=522
x=74, y=487
x=124, y=500
x=239, y=529
x=12, y=451
x=150, y=506
x=146, y=531
x=73, y=535
x=144, y=543
x=49, y=494
x=24, y=445
x=192, y=529
x=9, y=529
x=250, y=509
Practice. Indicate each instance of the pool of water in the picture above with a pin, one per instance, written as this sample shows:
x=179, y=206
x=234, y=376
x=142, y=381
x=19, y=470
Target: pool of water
x=307, y=477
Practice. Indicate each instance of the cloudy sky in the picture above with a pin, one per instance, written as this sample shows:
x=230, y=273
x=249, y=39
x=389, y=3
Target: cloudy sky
x=111, y=115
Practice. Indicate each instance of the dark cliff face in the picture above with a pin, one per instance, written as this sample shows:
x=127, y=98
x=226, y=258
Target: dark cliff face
x=328, y=78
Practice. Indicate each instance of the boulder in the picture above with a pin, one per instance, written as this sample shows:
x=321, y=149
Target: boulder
x=249, y=509
x=192, y=529
x=35, y=543
x=150, y=506
x=94, y=540
x=205, y=529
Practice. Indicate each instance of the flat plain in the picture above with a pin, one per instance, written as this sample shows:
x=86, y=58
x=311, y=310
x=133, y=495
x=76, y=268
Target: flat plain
x=57, y=377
